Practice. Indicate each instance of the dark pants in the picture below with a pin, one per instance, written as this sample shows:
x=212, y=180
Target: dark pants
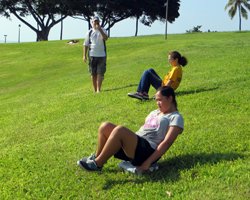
x=149, y=77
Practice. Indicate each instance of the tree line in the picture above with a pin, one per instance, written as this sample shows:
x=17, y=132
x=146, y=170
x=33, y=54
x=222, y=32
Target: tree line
x=48, y=13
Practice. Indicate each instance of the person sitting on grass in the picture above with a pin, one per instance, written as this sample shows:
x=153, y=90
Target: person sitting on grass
x=150, y=77
x=145, y=147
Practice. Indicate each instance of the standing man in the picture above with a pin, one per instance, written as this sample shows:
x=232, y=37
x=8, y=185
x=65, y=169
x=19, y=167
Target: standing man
x=95, y=50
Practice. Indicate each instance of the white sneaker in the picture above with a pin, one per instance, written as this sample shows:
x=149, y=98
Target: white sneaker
x=127, y=166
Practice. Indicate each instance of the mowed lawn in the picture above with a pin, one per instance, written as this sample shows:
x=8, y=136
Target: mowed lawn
x=50, y=117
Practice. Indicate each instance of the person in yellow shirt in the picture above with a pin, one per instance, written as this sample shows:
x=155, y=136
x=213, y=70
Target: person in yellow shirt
x=150, y=77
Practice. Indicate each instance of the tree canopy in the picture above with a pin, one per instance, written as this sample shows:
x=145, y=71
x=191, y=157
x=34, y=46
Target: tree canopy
x=113, y=11
x=48, y=13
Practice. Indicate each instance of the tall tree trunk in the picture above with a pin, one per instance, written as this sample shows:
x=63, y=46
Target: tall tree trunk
x=239, y=6
x=42, y=35
x=109, y=28
x=61, y=34
x=136, y=26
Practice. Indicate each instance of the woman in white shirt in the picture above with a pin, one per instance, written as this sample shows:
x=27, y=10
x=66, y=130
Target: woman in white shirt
x=147, y=145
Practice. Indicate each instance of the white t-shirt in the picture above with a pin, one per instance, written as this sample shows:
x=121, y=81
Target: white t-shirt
x=156, y=126
x=95, y=43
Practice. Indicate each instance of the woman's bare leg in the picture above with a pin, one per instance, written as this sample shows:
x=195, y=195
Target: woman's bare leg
x=120, y=137
x=104, y=132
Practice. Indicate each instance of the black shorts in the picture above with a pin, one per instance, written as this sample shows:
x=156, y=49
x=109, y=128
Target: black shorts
x=142, y=152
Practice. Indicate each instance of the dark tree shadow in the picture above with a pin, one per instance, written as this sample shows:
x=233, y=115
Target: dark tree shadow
x=169, y=170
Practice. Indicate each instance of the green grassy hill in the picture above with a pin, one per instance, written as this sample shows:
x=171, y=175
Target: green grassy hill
x=50, y=117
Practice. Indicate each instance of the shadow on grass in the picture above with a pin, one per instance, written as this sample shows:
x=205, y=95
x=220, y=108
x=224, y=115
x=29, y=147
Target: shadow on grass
x=170, y=169
x=195, y=91
x=177, y=93
x=119, y=88
x=180, y=93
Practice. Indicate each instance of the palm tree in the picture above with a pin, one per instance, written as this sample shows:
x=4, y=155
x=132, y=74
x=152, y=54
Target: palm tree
x=241, y=5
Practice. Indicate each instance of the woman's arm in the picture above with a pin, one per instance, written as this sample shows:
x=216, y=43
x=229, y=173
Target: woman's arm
x=169, y=139
x=170, y=77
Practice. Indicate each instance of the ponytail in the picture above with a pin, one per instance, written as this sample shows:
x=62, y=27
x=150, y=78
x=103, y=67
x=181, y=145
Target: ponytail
x=182, y=60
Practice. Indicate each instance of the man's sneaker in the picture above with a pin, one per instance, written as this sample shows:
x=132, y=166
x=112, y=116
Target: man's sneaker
x=88, y=165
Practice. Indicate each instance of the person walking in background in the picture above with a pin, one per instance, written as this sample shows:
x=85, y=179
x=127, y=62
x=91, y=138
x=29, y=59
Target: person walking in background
x=145, y=147
x=95, y=50
x=150, y=77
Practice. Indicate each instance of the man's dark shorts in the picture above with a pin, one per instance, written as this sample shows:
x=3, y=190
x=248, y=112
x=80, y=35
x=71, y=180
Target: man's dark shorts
x=142, y=152
x=97, y=65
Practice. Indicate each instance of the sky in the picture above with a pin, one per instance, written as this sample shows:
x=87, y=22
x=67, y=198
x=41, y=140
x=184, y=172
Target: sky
x=211, y=15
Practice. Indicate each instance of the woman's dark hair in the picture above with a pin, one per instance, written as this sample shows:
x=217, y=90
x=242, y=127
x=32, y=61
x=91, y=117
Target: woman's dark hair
x=182, y=60
x=167, y=91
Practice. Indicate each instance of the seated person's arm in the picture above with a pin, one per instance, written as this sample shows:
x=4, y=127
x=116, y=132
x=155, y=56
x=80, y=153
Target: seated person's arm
x=170, y=137
x=169, y=83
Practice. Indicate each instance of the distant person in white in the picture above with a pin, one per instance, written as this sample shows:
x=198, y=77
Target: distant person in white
x=94, y=50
